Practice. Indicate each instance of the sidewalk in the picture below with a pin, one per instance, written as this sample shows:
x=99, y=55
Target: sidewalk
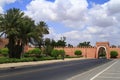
x=21, y=64
x=107, y=71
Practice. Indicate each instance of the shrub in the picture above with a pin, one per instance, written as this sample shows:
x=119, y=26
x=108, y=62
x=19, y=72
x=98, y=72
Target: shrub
x=47, y=50
x=55, y=53
x=26, y=54
x=36, y=52
x=14, y=60
x=29, y=52
x=4, y=51
x=78, y=52
x=46, y=58
x=113, y=54
x=62, y=53
x=33, y=53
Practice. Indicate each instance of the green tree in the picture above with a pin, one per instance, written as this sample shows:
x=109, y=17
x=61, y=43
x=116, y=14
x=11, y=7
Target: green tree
x=69, y=45
x=53, y=43
x=47, y=50
x=26, y=33
x=20, y=30
x=62, y=53
x=48, y=47
x=55, y=53
x=84, y=44
x=9, y=24
x=41, y=29
x=61, y=42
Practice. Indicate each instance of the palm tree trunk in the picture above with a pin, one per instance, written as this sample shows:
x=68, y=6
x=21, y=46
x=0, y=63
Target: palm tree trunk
x=11, y=47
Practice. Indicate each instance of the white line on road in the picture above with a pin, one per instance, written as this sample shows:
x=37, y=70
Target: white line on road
x=76, y=76
x=103, y=71
x=110, y=77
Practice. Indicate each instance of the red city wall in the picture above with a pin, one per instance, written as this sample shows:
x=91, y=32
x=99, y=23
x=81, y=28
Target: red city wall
x=88, y=52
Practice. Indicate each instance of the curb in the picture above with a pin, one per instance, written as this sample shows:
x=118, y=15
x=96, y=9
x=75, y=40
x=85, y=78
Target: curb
x=25, y=64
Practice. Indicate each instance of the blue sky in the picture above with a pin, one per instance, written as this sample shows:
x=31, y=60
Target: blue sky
x=21, y=4
x=90, y=20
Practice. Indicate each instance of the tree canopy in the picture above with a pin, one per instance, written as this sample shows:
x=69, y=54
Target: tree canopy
x=20, y=30
x=84, y=44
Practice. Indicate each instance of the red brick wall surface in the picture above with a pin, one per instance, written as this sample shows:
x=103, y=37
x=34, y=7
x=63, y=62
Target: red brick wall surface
x=89, y=52
x=86, y=52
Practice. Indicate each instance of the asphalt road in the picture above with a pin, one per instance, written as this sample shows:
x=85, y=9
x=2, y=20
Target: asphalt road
x=108, y=71
x=54, y=71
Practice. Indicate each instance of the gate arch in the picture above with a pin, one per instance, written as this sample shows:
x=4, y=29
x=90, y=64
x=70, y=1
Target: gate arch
x=98, y=51
x=104, y=45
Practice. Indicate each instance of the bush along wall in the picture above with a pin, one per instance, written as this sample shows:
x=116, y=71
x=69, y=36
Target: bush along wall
x=62, y=54
x=78, y=52
x=4, y=52
x=55, y=53
x=113, y=54
x=33, y=53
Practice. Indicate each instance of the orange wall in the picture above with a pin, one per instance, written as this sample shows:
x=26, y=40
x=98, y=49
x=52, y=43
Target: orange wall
x=86, y=52
x=89, y=52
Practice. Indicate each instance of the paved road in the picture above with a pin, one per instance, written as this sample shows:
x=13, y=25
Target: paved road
x=108, y=71
x=55, y=71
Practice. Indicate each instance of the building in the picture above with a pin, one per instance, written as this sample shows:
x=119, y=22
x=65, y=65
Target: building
x=93, y=52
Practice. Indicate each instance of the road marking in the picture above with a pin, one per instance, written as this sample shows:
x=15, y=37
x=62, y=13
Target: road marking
x=109, y=77
x=91, y=70
x=103, y=71
x=112, y=73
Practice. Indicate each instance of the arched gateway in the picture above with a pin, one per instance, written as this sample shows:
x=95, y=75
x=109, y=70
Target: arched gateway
x=102, y=49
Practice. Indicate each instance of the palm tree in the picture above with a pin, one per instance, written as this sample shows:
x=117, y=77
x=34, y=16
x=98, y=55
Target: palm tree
x=20, y=30
x=26, y=32
x=9, y=23
x=41, y=29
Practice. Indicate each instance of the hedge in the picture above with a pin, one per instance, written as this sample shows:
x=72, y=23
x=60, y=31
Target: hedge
x=113, y=54
x=78, y=52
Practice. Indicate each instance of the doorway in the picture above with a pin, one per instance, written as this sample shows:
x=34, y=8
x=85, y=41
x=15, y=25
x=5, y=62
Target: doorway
x=102, y=52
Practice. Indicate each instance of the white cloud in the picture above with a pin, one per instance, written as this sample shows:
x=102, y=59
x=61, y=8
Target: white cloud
x=3, y=3
x=99, y=23
x=1, y=10
x=113, y=6
x=73, y=37
x=69, y=11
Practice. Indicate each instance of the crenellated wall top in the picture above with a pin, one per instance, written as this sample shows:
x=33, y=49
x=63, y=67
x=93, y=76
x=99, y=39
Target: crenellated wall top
x=77, y=47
